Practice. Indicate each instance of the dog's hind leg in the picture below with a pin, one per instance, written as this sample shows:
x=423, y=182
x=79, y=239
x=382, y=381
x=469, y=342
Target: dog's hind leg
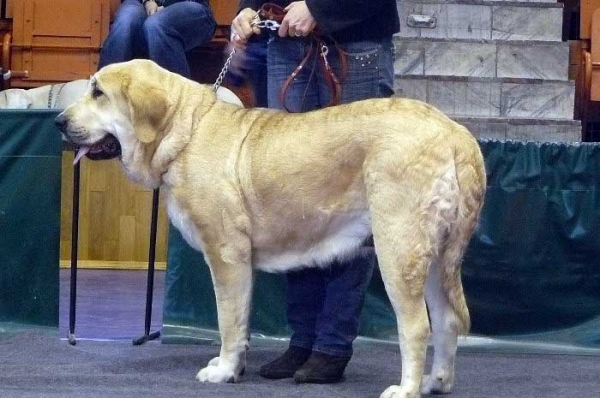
x=404, y=269
x=412, y=215
x=445, y=328
x=444, y=294
x=447, y=306
x=404, y=250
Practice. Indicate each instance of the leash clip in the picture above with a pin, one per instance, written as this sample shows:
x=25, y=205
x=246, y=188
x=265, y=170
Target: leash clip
x=267, y=24
x=324, y=52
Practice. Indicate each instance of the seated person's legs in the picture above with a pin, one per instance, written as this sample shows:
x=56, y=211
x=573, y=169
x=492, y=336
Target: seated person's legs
x=176, y=29
x=125, y=40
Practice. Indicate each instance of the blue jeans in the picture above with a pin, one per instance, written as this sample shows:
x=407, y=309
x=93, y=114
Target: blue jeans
x=257, y=71
x=254, y=71
x=324, y=305
x=163, y=37
x=369, y=73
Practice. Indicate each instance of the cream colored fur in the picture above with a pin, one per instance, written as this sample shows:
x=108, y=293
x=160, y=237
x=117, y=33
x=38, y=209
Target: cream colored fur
x=65, y=94
x=256, y=188
x=59, y=95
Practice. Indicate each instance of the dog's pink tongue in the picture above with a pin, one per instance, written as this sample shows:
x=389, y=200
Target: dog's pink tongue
x=81, y=153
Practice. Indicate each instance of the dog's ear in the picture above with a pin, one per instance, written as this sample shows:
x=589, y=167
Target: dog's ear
x=148, y=105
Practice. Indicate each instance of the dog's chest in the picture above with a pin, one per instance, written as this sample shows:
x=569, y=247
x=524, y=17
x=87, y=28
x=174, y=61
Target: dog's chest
x=182, y=220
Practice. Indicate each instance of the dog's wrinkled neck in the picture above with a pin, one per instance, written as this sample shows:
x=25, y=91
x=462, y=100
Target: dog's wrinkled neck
x=174, y=136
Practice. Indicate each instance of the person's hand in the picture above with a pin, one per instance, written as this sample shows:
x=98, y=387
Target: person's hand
x=241, y=28
x=298, y=20
x=151, y=7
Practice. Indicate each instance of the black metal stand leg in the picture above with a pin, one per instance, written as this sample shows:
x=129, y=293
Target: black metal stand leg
x=150, y=283
x=74, y=245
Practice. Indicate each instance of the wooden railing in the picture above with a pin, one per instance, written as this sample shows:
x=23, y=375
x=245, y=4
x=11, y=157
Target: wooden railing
x=588, y=84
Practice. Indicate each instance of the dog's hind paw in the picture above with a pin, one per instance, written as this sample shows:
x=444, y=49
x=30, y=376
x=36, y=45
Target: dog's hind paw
x=436, y=385
x=399, y=392
x=216, y=374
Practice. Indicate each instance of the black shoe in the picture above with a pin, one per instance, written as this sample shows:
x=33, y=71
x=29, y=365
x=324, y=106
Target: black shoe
x=321, y=369
x=286, y=365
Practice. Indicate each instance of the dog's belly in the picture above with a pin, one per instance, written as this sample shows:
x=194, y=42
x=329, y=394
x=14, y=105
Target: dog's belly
x=316, y=244
x=339, y=238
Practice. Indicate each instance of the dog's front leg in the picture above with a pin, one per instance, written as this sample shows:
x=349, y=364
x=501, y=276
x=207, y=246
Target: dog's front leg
x=233, y=290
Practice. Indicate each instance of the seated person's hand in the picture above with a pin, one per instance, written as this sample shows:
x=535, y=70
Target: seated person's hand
x=242, y=29
x=151, y=7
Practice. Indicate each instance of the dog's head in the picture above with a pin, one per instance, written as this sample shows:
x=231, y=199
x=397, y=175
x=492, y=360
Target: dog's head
x=14, y=98
x=139, y=112
x=123, y=111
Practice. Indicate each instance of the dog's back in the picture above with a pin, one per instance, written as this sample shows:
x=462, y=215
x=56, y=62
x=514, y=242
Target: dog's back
x=55, y=96
x=14, y=98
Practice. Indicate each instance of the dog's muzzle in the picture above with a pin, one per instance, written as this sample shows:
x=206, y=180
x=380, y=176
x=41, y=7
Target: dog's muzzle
x=107, y=148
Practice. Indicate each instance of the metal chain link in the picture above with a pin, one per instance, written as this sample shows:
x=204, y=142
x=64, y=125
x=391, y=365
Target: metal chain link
x=267, y=24
x=223, y=71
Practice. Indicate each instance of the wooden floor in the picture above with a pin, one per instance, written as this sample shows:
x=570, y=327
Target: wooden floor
x=111, y=304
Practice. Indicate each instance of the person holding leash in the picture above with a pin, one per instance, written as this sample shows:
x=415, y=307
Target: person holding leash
x=160, y=30
x=323, y=52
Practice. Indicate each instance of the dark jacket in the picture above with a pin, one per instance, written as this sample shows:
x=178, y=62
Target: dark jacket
x=347, y=20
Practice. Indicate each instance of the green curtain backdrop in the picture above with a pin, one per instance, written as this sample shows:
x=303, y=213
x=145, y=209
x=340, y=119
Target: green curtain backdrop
x=532, y=270
x=30, y=177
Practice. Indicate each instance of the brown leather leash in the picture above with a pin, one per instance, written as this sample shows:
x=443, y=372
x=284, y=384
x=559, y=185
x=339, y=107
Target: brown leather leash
x=273, y=12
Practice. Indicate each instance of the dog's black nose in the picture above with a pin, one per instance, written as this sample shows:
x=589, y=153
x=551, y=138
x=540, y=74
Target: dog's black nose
x=61, y=122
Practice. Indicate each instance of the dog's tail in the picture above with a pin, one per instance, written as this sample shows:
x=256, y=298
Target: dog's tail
x=470, y=175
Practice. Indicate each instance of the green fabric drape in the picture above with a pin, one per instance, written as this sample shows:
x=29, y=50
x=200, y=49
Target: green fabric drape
x=30, y=180
x=532, y=268
x=534, y=263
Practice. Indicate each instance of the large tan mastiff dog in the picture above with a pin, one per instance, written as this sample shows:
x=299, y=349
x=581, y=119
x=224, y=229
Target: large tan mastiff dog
x=257, y=188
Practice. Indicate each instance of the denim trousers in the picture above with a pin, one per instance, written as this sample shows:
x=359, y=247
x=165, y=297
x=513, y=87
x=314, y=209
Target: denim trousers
x=163, y=37
x=324, y=304
x=256, y=53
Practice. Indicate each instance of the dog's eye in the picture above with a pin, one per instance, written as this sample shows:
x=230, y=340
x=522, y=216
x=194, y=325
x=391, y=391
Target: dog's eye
x=96, y=92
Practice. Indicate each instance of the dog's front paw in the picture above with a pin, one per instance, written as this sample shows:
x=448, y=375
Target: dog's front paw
x=214, y=362
x=441, y=384
x=399, y=392
x=216, y=374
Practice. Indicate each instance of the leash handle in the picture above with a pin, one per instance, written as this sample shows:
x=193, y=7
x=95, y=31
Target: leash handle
x=271, y=11
x=271, y=16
